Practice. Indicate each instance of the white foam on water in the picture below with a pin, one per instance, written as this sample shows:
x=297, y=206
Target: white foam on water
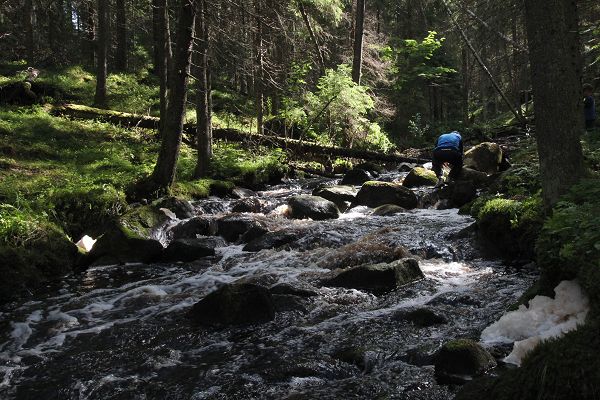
x=544, y=318
x=300, y=382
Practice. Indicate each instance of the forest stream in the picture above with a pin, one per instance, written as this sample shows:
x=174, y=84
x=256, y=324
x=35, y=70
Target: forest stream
x=122, y=332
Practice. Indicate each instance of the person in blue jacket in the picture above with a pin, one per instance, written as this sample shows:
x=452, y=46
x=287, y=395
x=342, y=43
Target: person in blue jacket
x=448, y=149
x=589, y=106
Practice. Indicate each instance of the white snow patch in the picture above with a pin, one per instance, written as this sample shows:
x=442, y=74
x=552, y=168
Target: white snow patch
x=544, y=318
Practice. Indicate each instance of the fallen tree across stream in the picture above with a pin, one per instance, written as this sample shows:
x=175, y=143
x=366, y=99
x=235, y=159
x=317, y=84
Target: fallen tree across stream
x=294, y=145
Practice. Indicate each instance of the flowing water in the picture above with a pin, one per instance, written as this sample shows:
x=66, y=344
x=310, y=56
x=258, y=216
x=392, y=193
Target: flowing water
x=121, y=332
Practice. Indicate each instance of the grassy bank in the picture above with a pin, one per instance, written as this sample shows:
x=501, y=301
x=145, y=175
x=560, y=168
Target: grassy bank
x=60, y=179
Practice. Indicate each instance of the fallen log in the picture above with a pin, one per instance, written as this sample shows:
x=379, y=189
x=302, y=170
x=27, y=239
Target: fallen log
x=294, y=145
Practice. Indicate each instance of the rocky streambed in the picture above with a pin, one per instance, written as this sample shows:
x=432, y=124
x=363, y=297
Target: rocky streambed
x=249, y=299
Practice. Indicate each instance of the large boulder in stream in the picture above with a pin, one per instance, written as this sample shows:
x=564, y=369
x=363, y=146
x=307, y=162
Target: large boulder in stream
x=193, y=227
x=178, y=206
x=120, y=245
x=478, y=178
x=235, y=226
x=130, y=239
x=356, y=177
x=247, y=205
x=341, y=195
x=273, y=240
x=461, y=359
x=313, y=207
x=234, y=304
x=485, y=157
x=378, y=278
x=374, y=194
x=420, y=177
x=192, y=249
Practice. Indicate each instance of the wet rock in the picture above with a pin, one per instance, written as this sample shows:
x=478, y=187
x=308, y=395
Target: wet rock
x=356, y=177
x=378, y=278
x=191, y=249
x=479, y=179
x=254, y=233
x=342, y=196
x=180, y=207
x=374, y=194
x=242, y=193
x=120, y=245
x=142, y=221
x=193, y=227
x=461, y=359
x=232, y=226
x=247, y=205
x=286, y=302
x=352, y=355
x=376, y=247
x=287, y=289
x=485, y=157
x=457, y=193
x=234, y=304
x=406, y=167
x=388, y=210
x=370, y=167
x=422, y=317
x=419, y=177
x=314, y=207
x=273, y=240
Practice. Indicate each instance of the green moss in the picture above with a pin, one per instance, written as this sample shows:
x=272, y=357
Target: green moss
x=510, y=227
x=142, y=220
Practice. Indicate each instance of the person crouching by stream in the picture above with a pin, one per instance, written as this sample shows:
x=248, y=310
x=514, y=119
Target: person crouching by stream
x=448, y=149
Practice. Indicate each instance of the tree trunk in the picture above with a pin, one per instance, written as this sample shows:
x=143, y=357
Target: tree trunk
x=203, y=114
x=28, y=23
x=359, y=30
x=162, y=53
x=166, y=165
x=102, y=49
x=554, y=50
x=259, y=86
x=89, y=42
x=121, y=56
x=313, y=37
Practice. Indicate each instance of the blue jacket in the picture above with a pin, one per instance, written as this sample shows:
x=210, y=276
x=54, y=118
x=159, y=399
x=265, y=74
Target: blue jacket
x=589, y=108
x=451, y=140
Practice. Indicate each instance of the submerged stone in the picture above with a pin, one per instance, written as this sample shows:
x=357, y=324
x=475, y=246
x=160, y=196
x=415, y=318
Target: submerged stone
x=234, y=304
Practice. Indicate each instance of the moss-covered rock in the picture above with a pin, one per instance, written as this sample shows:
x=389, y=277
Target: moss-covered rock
x=143, y=220
x=177, y=205
x=374, y=194
x=460, y=359
x=509, y=228
x=485, y=157
x=420, y=177
x=46, y=256
x=120, y=245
